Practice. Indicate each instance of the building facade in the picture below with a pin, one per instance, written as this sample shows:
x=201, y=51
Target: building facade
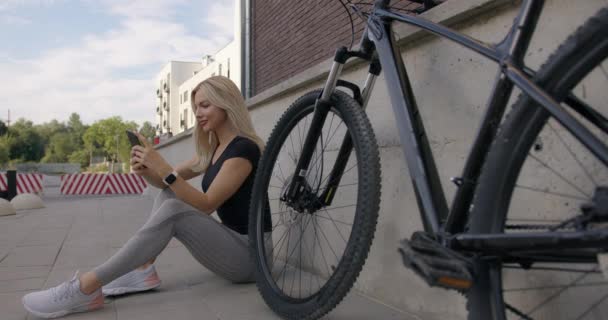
x=175, y=81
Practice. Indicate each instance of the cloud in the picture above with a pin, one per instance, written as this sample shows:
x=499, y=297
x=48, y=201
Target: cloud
x=159, y=9
x=14, y=20
x=101, y=75
x=12, y=4
x=221, y=17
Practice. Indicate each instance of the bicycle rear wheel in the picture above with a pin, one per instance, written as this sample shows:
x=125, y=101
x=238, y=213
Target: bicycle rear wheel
x=317, y=250
x=537, y=176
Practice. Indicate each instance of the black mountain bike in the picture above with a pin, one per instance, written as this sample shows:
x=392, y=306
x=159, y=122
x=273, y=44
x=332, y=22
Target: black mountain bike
x=528, y=221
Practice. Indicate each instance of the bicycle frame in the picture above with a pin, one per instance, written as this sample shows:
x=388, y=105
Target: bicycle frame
x=378, y=43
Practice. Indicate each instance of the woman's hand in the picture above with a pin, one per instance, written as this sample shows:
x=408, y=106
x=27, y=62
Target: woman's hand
x=138, y=168
x=145, y=159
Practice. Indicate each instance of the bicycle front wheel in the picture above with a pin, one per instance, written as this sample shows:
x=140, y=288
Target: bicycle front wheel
x=536, y=178
x=309, y=252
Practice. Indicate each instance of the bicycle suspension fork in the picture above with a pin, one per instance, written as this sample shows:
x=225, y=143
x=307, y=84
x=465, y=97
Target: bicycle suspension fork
x=322, y=108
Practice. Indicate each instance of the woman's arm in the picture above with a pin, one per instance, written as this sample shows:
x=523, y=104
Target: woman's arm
x=230, y=178
x=226, y=183
x=183, y=170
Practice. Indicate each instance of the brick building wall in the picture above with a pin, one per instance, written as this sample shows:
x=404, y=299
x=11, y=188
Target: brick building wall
x=290, y=36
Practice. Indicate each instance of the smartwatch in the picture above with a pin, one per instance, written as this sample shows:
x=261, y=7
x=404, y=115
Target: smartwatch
x=171, y=178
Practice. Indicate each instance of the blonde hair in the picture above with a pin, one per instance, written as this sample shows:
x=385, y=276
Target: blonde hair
x=221, y=92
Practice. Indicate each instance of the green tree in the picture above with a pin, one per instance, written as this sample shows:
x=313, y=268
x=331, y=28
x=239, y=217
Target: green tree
x=59, y=148
x=3, y=128
x=25, y=143
x=108, y=135
x=80, y=156
x=147, y=130
x=4, y=150
x=76, y=129
x=48, y=129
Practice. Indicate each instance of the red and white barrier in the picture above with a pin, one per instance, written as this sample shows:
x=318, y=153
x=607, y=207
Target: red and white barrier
x=102, y=183
x=26, y=182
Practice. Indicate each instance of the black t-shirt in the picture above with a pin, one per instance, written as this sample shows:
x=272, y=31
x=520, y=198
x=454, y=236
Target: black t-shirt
x=234, y=213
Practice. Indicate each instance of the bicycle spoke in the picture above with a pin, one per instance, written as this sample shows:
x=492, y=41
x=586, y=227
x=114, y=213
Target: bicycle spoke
x=328, y=242
x=292, y=251
x=342, y=222
x=334, y=223
x=555, y=295
x=551, y=269
x=590, y=284
x=321, y=248
x=559, y=175
x=281, y=172
x=552, y=192
x=573, y=155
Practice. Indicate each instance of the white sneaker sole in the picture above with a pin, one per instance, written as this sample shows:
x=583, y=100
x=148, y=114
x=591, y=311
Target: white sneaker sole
x=124, y=290
x=57, y=314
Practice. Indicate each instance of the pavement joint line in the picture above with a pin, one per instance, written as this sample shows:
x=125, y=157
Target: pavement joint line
x=58, y=253
x=5, y=255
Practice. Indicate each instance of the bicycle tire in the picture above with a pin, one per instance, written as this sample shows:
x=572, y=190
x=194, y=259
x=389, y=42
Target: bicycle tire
x=584, y=50
x=366, y=216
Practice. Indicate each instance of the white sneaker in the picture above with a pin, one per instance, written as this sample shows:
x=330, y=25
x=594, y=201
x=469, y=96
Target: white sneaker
x=134, y=281
x=61, y=300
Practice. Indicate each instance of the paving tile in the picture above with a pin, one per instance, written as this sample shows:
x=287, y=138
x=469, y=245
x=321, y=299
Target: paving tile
x=42, y=237
x=153, y=305
x=16, y=273
x=21, y=284
x=30, y=256
x=234, y=301
x=86, y=237
x=76, y=256
x=358, y=307
x=106, y=313
x=10, y=304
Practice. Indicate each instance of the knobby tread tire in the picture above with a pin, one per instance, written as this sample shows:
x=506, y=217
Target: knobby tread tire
x=366, y=217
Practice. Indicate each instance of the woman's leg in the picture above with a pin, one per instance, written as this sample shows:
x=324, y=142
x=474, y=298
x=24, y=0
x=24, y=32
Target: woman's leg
x=163, y=195
x=218, y=248
x=147, y=243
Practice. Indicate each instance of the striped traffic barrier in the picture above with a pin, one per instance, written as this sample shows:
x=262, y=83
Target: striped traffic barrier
x=26, y=182
x=102, y=183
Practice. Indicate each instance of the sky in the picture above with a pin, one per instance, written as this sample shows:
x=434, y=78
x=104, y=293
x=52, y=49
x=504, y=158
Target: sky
x=99, y=58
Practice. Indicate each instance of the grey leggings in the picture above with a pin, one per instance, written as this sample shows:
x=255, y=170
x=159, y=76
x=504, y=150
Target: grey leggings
x=218, y=248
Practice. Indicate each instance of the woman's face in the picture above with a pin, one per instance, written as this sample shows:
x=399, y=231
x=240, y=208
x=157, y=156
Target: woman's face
x=208, y=116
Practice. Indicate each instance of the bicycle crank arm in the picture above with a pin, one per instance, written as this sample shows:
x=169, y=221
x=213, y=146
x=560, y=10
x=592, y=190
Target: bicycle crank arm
x=496, y=244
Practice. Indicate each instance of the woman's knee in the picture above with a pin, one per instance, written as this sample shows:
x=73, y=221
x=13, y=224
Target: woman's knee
x=162, y=196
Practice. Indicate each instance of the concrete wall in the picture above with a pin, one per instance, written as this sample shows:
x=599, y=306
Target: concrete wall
x=452, y=87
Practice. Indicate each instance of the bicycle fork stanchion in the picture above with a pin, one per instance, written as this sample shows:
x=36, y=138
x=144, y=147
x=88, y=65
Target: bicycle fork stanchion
x=347, y=144
x=322, y=107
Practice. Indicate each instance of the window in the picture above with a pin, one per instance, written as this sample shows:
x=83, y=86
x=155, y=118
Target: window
x=213, y=74
x=219, y=70
x=228, y=68
x=185, y=119
x=186, y=96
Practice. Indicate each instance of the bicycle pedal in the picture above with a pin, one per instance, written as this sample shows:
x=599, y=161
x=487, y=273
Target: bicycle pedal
x=438, y=265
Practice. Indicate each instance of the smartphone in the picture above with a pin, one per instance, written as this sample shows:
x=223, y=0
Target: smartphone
x=133, y=139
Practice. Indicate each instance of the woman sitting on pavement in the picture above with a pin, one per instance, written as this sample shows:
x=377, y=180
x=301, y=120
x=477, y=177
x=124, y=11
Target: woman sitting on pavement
x=227, y=151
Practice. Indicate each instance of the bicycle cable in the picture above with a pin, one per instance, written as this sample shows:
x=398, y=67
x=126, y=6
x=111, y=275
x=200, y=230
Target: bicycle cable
x=362, y=15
